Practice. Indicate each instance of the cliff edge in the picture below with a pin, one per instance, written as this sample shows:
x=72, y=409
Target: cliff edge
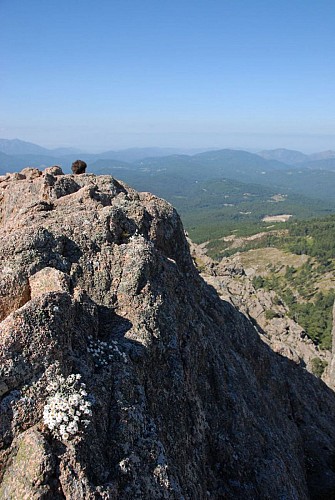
x=122, y=373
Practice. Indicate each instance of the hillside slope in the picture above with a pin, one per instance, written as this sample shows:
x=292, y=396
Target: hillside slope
x=182, y=399
x=235, y=278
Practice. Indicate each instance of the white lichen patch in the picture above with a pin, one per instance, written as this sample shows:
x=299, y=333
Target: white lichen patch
x=103, y=353
x=68, y=409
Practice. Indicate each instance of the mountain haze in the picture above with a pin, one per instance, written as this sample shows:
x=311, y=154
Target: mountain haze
x=289, y=156
x=36, y=154
x=18, y=147
x=292, y=157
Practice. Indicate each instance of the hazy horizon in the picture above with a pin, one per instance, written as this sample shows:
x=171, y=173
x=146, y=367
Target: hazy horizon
x=235, y=74
x=324, y=145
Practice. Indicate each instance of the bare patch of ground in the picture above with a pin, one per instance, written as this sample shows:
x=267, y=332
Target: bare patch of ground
x=277, y=218
x=261, y=259
x=240, y=241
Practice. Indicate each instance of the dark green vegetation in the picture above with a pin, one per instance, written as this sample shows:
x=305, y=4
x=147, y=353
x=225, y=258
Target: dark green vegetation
x=318, y=366
x=311, y=309
x=317, y=184
x=314, y=237
x=219, y=192
x=308, y=304
x=213, y=209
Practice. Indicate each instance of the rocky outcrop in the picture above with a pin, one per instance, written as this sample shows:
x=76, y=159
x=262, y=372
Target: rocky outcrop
x=123, y=374
x=284, y=335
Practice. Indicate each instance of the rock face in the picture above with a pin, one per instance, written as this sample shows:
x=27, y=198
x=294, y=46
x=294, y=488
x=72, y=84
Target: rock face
x=123, y=374
x=332, y=363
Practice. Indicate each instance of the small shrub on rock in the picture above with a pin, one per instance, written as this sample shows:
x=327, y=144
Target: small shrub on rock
x=68, y=409
x=318, y=366
x=270, y=314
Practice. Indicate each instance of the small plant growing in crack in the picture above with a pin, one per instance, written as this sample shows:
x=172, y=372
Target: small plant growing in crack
x=68, y=408
x=103, y=352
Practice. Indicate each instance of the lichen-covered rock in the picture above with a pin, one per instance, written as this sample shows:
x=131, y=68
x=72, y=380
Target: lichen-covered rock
x=29, y=474
x=47, y=280
x=125, y=373
x=54, y=170
x=30, y=172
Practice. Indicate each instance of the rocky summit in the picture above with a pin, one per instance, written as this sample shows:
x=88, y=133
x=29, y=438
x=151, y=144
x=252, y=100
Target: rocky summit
x=124, y=375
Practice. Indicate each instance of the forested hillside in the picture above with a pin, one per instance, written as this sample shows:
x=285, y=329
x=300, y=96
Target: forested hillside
x=308, y=290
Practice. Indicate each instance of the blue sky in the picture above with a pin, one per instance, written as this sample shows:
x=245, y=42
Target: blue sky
x=114, y=74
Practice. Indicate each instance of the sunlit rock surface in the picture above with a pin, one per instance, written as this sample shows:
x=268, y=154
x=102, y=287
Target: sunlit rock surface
x=187, y=401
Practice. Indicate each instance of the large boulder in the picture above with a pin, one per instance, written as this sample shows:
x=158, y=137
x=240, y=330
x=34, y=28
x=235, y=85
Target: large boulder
x=125, y=374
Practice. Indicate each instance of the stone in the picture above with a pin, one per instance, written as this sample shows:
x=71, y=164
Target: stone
x=30, y=469
x=14, y=293
x=54, y=170
x=188, y=401
x=331, y=369
x=48, y=280
x=31, y=173
x=3, y=388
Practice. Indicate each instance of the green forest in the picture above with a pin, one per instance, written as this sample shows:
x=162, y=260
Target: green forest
x=309, y=306
x=307, y=303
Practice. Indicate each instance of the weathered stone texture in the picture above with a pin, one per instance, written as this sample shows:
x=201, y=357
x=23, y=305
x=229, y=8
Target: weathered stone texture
x=189, y=404
x=47, y=280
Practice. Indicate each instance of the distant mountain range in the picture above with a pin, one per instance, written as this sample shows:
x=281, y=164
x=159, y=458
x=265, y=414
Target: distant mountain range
x=292, y=157
x=214, y=191
x=165, y=171
x=17, y=154
x=18, y=147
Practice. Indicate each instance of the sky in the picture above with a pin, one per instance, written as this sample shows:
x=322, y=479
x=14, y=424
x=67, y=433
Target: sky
x=113, y=74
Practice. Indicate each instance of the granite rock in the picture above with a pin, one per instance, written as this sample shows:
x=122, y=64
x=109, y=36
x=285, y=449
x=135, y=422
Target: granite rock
x=187, y=400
